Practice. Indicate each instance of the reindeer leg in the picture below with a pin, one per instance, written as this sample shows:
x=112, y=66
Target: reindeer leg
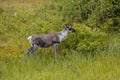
x=29, y=50
x=55, y=49
x=34, y=49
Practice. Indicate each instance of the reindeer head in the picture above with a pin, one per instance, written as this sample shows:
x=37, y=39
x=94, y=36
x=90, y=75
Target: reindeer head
x=69, y=29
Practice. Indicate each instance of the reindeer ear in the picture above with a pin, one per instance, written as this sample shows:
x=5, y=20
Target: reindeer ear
x=65, y=26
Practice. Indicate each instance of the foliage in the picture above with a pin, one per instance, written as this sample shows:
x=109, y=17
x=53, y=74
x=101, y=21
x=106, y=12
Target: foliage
x=86, y=40
x=94, y=13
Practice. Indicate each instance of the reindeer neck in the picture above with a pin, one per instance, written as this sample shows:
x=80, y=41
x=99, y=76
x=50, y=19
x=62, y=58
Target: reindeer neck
x=63, y=35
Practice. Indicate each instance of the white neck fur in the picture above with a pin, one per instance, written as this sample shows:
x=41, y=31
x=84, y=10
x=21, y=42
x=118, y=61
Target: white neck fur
x=63, y=35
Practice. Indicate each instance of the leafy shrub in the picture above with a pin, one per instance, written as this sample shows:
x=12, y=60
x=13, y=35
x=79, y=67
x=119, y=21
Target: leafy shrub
x=85, y=39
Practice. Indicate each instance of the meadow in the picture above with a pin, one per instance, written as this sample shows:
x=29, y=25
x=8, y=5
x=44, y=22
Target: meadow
x=92, y=53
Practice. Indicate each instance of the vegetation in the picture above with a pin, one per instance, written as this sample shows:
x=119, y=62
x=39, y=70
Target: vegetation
x=92, y=53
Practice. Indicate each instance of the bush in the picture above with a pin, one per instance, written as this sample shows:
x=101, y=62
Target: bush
x=85, y=39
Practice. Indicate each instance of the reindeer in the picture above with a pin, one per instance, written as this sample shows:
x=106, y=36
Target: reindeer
x=47, y=40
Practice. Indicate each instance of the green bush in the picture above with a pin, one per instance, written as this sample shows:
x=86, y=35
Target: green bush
x=86, y=39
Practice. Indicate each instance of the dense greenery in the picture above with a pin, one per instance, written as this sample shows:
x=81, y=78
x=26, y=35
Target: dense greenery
x=104, y=14
x=97, y=24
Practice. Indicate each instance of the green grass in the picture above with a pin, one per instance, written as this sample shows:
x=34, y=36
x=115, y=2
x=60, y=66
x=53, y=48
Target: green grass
x=71, y=67
x=40, y=18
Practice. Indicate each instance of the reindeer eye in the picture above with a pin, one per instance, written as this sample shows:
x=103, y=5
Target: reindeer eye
x=70, y=28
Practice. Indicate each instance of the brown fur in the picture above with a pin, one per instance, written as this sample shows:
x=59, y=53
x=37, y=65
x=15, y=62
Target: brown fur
x=46, y=38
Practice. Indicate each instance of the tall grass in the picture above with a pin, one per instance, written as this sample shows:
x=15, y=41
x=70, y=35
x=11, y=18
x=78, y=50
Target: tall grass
x=71, y=67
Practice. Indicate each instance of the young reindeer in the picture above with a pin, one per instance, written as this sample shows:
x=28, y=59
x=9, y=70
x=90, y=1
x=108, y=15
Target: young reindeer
x=47, y=40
